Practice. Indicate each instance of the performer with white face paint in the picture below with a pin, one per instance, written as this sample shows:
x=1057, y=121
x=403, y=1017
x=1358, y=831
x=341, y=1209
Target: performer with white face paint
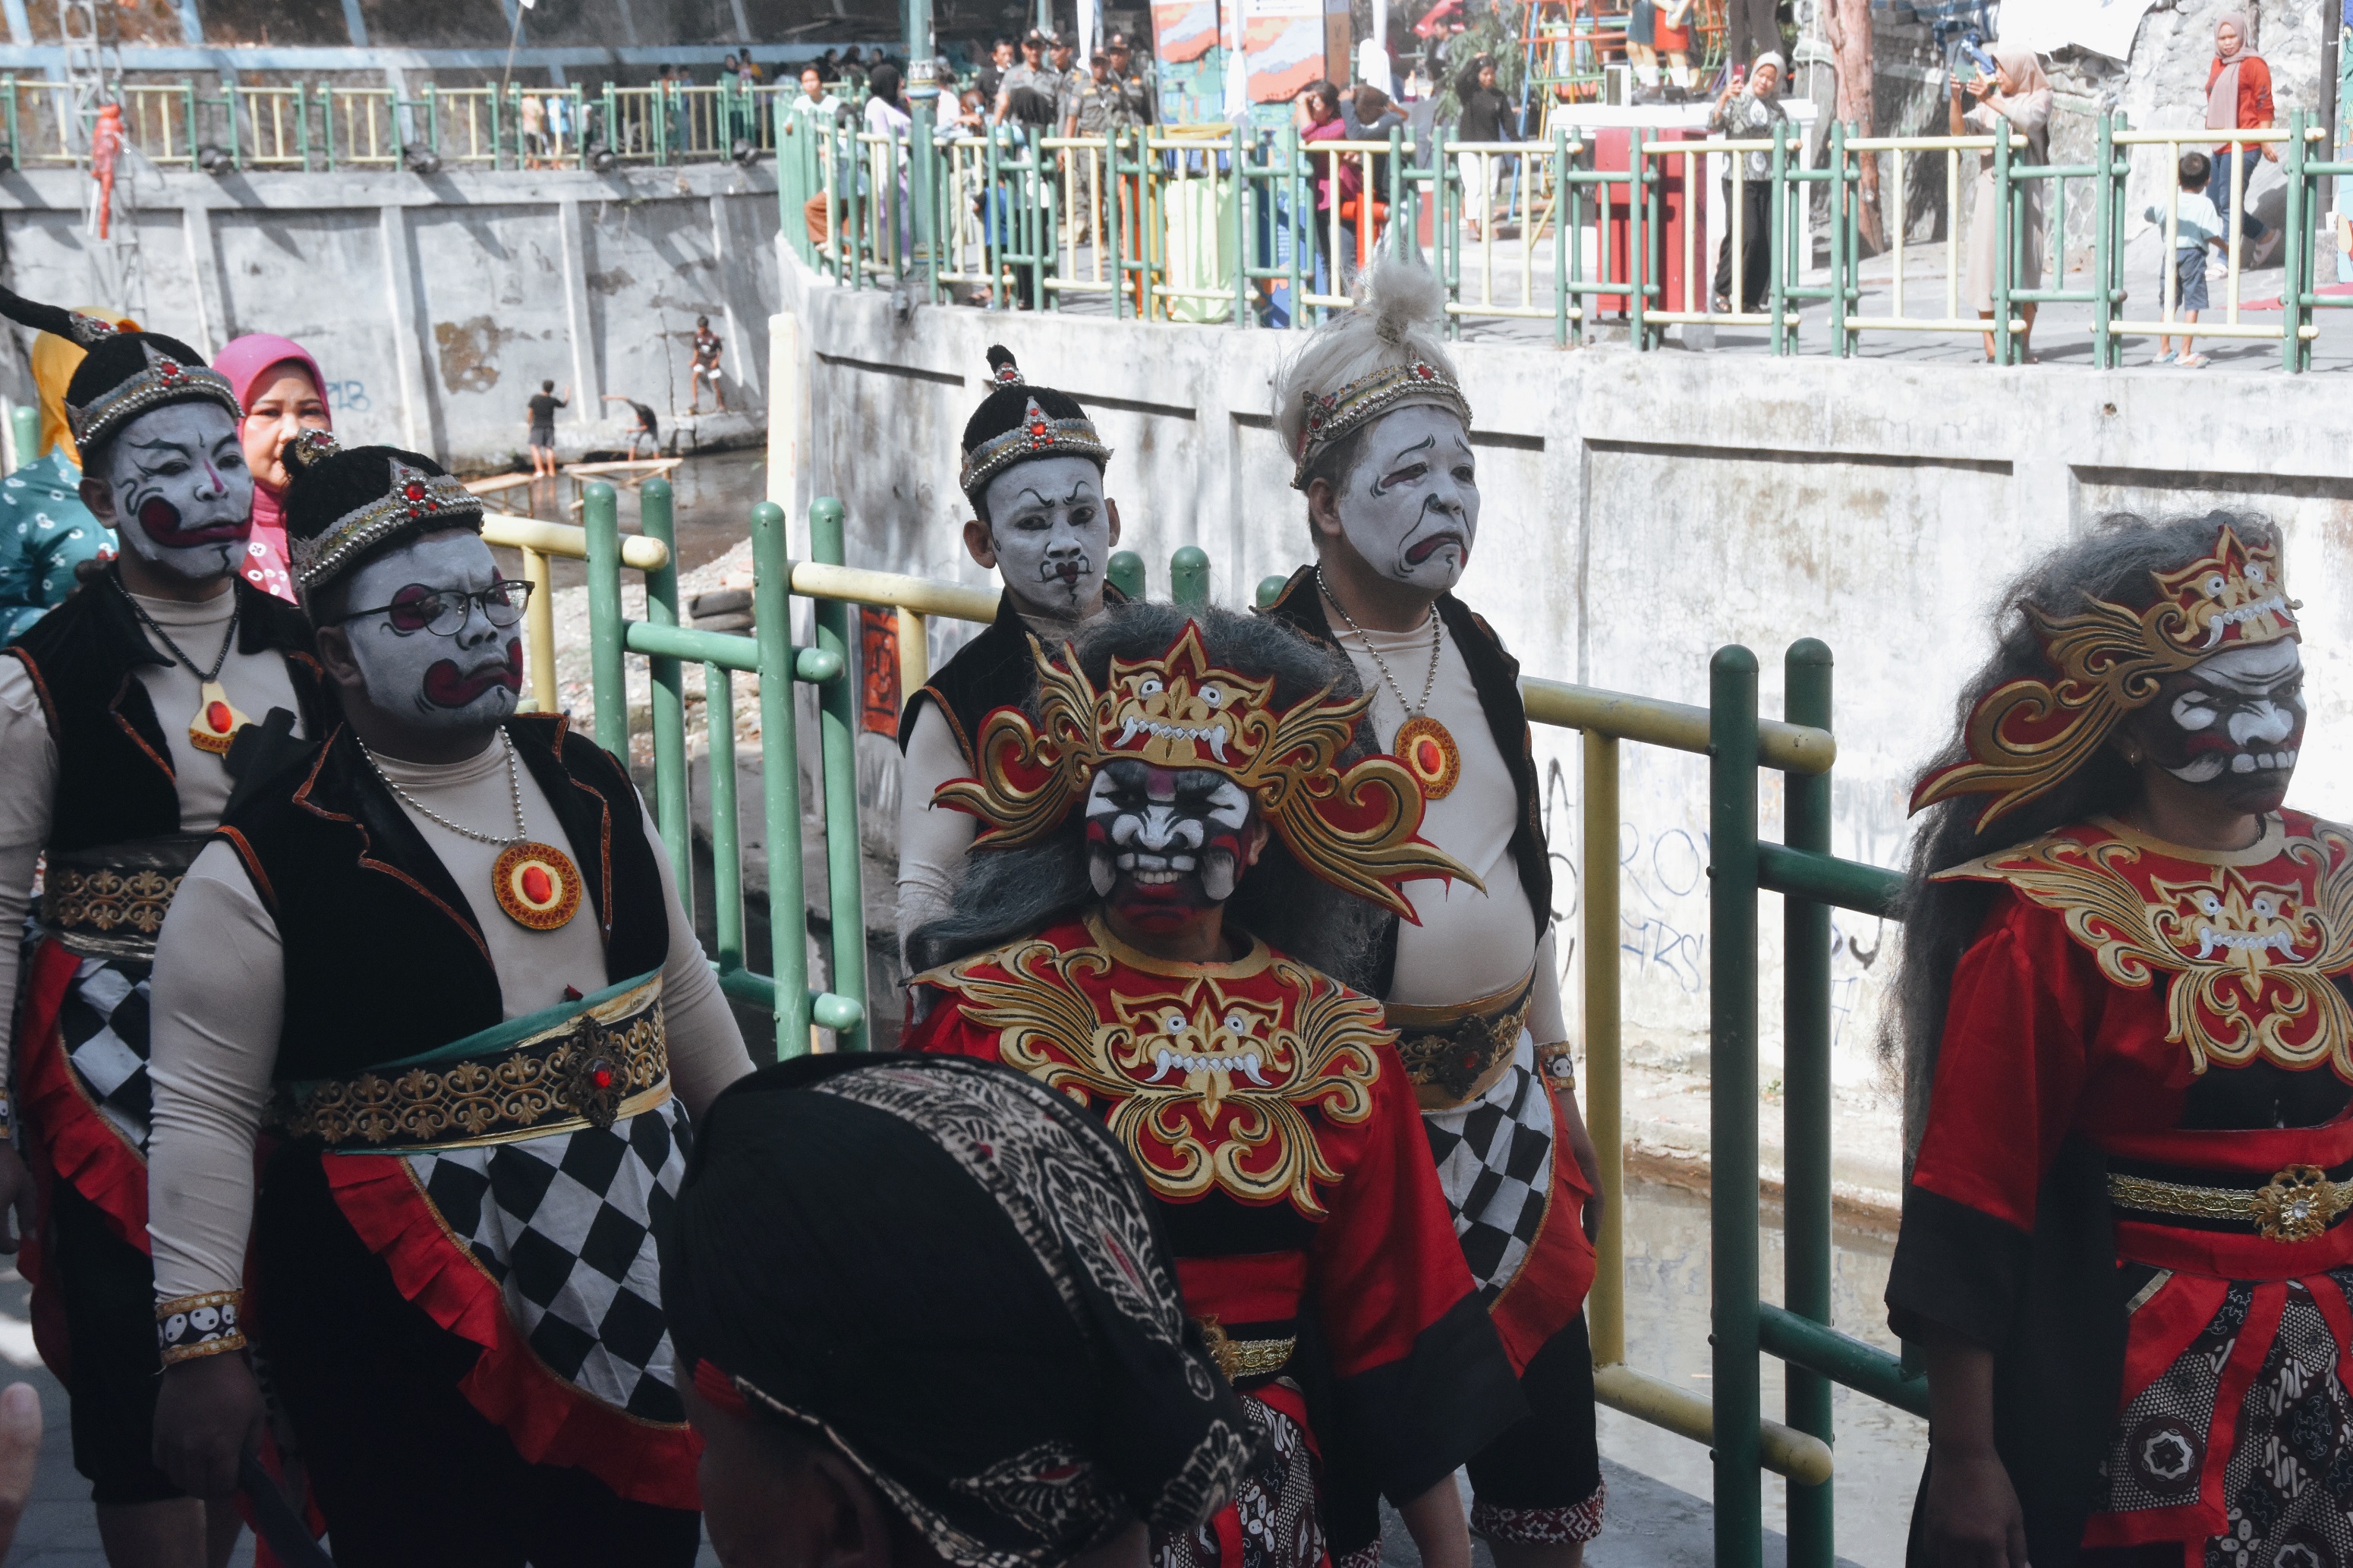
x=1033, y=471
x=1179, y=849
x=118, y=714
x=442, y=959
x=2127, y=1045
x=1380, y=434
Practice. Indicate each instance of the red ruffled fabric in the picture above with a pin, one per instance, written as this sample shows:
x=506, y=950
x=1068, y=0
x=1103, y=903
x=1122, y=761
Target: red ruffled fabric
x=552, y=1422
x=67, y=1136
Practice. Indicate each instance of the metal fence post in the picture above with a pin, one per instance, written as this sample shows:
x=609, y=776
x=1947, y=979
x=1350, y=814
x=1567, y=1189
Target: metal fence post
x=837, y=729
x=2005, y=233
x=607, y=687
x=1560, y=230
x=1776, y=230
x=1806, y=1098
x=1604, y=1090
x=1638, y=241
x=1125, y=572
x=1732, y=1102
x=2104, y=191
x=668, y=705
x=780, y=778
x=1189, y=575
x=2295, y=256
x=1842, y=253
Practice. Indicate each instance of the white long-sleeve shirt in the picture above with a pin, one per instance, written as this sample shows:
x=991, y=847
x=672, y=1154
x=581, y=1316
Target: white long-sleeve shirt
x=256, y=683
x=218, y=1000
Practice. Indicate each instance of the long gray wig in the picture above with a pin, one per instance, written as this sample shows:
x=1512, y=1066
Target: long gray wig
x=1011, y=893
x=2115, y=562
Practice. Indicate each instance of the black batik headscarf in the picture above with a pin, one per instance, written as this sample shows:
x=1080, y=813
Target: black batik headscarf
x=952, y=1277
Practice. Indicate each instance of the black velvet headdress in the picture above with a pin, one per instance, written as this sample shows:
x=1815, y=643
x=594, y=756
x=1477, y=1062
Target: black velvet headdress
x=124, y=375
x=345, y=506
x=1017, y=421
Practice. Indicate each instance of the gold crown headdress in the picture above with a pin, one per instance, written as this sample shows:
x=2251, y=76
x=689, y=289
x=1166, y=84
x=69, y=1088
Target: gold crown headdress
x=1359, y=830
x=1367, y=397
x=2026, y=736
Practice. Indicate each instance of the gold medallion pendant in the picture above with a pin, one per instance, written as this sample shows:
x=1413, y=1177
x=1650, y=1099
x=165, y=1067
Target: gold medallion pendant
x=536, y=885
x=1428, y=751
x=218, y=720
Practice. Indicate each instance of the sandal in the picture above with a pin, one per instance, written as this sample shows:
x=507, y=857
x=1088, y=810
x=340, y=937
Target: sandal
x=2194, y=362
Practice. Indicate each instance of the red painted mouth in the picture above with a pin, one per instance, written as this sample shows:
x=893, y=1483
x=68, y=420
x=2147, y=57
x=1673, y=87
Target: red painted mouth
x=1429, y=547
x=446, y=687
x=163, y=524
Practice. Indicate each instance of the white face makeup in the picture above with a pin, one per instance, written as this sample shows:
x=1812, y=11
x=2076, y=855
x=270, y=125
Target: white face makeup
x=469, y=680
x=182, y=496
x=1410, y=506
x=1052, y=531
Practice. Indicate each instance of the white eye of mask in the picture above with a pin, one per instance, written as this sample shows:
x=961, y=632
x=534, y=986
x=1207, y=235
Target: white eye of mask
x=468, y=680
x=182, y=494
x=1052, y=532
x=1410, y=506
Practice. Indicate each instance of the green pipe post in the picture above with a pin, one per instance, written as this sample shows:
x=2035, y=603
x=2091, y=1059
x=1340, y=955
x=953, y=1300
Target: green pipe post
x=1560, y=227
x=1826, y=878
x=1732, y=1102
x=1189, y=575
x=1806, y=1098
x=780, y=779
x=1777, y=225
x=1845, y=210
x=837, y=731
x=726, y=840
x=1297, y=188
x=671, y=812
x=607, y=688
x=1244, y=316
x=1638, y=241
x=1843, y=1359
x=1269, y=589
x=25, y=423
x=1125, y=572
x=2103, y=204
x=2005, y=230
x=2301, y=241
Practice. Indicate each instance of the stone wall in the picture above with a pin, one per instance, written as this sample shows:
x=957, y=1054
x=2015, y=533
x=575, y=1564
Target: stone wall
x=1640, y=511
x=435, y=305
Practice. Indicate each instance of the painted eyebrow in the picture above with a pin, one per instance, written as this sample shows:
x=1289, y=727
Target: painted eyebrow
x=1427, y=441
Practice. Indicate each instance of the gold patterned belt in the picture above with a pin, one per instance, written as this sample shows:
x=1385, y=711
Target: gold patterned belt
x=1454, y=1054
x=584, y=1063
x=109, y=901
x=1239, y=1359
x=2297, y=1204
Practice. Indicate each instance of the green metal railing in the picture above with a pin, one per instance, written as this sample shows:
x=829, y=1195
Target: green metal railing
x=1048, y=222
x=1730, y=732
x=325, y=127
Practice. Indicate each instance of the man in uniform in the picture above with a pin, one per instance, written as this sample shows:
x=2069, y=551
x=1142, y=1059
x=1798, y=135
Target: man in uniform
x=1378, y=430
x=442, y=959
x=116, y=714
x=1033, y=471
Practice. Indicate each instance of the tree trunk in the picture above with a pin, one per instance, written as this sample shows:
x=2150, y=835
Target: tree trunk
x=1850, y=36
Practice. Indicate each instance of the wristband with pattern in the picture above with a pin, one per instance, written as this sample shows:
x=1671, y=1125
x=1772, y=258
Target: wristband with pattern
x=1556, y=1064
x=191, y=1326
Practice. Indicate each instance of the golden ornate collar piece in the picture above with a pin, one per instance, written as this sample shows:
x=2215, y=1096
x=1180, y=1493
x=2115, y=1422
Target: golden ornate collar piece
x=2027, y=736
x=414, y=501
x=1331, y=418
x=2250, y=947
x=1359, y=830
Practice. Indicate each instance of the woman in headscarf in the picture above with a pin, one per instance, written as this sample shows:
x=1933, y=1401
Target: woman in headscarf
x=46, y=532
x=926, y=1312
x=284, y=394
x=2017, y=97
x=2239, y=98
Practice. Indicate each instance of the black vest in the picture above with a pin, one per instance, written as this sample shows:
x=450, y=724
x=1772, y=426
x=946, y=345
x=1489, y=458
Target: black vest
x=384, y=956
x=1496, y=676
x=994, y=669
x=115, y=781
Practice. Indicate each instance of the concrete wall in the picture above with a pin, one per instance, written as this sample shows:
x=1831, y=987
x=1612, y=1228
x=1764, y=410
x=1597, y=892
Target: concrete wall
x=434, y=305
x=1640, y=512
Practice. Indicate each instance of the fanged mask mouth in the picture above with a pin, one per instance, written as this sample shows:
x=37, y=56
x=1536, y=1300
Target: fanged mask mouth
x=1164, y=1061
x=1210, y=735
x=2212, y=765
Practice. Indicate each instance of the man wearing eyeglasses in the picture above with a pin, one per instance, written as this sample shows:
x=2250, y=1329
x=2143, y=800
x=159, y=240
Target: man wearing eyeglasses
x=443, y=959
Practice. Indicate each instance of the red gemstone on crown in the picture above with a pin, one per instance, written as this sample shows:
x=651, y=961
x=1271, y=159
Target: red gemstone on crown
x=168, y=371
x=537, y=885
x=414, y=490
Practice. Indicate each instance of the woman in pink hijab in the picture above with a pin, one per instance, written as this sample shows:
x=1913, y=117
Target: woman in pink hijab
x=284, y=394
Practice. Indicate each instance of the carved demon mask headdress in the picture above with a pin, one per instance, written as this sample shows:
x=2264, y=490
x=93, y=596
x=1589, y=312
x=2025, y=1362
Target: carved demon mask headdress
x=1358, y=829
x=2028, y=735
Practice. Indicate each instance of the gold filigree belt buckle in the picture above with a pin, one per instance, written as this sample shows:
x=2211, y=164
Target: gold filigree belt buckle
x=2299, y=1204
x=597, y=1080
x=1238, y=1359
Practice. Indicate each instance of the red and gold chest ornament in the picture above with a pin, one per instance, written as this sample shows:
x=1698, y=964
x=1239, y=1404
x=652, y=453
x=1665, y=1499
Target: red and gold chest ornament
x=1210, y=1080
x=1359, y=830
x=2027, y=736
x=2249, y=942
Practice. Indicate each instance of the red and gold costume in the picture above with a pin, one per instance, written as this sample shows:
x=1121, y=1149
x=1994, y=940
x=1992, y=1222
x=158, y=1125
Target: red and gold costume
x=2134, y=1177
x=1263, y=1102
